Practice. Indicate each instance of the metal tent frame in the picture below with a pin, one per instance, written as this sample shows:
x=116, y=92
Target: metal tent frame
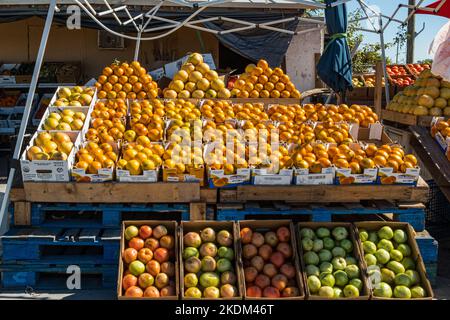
x=141, y=21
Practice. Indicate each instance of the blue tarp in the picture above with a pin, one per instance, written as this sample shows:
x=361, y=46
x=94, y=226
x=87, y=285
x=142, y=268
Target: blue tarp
x=335, y=65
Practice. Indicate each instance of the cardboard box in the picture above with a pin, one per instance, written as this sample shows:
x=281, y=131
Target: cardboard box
x=388, y=176
x=8, y=68
x=93, y=101
x=41, y=107
x=262, y=177
x=146, y=176
x=365, y=294
x=345, y=176
x=85, y=110
x=172, y=228
x=48, y=170
x=103, y=175
x=218, y=178
x=415, y=253
x=303, y=177
x=264, y=226
x=197, y=226
x=193, y=175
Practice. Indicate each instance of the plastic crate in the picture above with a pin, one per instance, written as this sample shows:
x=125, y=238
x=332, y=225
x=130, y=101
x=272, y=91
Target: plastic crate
x=437, y=207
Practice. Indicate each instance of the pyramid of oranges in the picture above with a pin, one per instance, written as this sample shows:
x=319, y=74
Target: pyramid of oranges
x=126, y=81
x=196, y=80
x=261, y=81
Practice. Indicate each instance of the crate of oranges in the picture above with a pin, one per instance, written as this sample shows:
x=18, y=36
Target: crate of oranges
x=146, y=119
x=183, y=163
x=95, y=162
x=394, y=165
x=440, y=131
x=140, y=161
x=312, y=164
x=354, y=165
x=107, y=121
x=275, y=168
x=223, y=172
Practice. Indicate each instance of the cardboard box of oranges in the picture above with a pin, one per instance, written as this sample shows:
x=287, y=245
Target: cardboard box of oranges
x=183, y=163
x=274, y=168
x=222, y=173
x=140, y=161
x=95, y=162
x=312, y=164
x=49, y=156
x=440, y=131
x=108, y=121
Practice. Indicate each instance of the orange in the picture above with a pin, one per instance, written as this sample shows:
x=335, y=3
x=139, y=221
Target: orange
x=119, y=71
x=341, y=163
x=411, y=159
x=392, y=164
x=108, y=71
x=371, y=150
x=82, y=165
x=275, y=94
x=367, y=163
x=94, y=166
x=380, y=160
x=262, y=64
x=279, y=86
x=274, y=78
x=113, y=79
x=356, y=169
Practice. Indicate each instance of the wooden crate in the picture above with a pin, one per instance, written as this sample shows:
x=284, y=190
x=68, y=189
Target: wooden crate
x=405, y=118
x=263, y=226
x=172, y=228
x=415, y=252
x=365, y=294
x=197, y=226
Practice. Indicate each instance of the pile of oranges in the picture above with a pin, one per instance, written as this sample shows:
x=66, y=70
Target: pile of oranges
x=261, y=81
x=92, y=157
x=126, y=81
x=146, y=120
x=182, y=158
x=139, y=156
x=107, y=121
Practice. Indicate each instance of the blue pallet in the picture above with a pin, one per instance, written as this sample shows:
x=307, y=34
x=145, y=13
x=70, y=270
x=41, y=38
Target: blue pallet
x=55, y=277
x=37, y=246
x=428, y=247
x=111, y=214
x=431, y=269
x=414, y=216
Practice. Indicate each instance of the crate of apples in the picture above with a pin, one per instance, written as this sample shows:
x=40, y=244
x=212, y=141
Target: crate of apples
x=148, y=266
x=392, y=258
x=270, y=260
x=331, y=261
x=209, y=268
x=417, y=68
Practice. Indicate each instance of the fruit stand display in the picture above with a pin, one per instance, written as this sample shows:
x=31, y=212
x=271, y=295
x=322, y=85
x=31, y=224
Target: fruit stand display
x=99, y=147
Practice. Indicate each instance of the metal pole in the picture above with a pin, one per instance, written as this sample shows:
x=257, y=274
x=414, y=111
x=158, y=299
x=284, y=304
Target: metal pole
x=383, y=55
x=138, y=45
x=26, y=114
x=411, y=34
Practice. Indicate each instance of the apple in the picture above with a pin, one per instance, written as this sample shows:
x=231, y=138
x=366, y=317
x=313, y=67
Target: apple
x=145, y=232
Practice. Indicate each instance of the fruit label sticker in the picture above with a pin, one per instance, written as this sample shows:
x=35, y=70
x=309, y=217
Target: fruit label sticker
x=303, y=177
x=146, y=176
x=443, y=143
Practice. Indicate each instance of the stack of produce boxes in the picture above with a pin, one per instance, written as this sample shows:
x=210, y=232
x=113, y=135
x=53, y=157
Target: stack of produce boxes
x=51, y=152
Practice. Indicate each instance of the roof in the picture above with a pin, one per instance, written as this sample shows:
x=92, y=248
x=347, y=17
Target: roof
x=266, y=4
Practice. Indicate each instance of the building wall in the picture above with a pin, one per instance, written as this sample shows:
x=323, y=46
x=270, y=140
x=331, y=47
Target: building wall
x=300, y=57
x=21, y=39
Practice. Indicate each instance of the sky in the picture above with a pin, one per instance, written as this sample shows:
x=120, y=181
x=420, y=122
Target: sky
x=423, y=40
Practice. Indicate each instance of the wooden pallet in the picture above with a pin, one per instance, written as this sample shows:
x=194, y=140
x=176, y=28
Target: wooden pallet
x=327, y=193
x=406, y=119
